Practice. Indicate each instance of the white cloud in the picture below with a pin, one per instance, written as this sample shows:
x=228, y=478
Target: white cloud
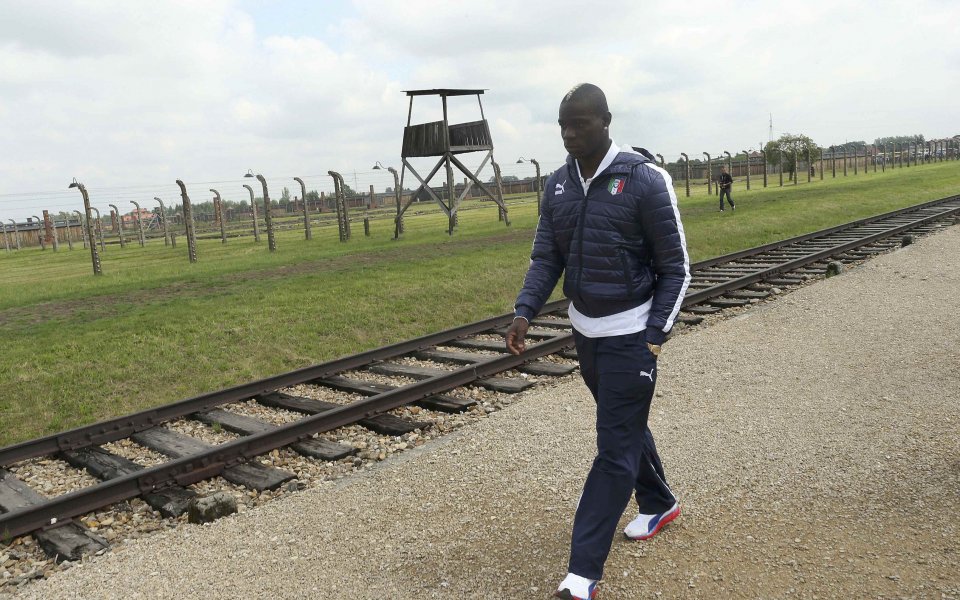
x=123, y=94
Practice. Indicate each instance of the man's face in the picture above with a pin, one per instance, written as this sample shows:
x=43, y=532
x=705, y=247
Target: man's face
x=582, y=129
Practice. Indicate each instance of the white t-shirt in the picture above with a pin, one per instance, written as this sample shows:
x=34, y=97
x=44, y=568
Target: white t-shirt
x=622, y=323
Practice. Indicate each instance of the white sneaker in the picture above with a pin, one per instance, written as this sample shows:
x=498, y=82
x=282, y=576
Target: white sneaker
x=574, y=587
x=645, y=527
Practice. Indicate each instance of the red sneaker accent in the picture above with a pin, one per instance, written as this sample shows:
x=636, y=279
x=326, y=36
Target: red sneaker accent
x=666, y=519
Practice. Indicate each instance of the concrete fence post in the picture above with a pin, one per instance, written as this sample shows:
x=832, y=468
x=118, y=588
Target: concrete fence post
x=6, y=241
x=82, y=229
x=99, y=228
x=162, y=217
x=746, y=153
x=663, y=164
x=709, y=174
x=306, y=209
x=343, y=217
x=218, y=207
x=16, y=234
x=94, y=256
x=119, y=224
x=188, y=223
x=139, y=220
x=40, y=238
x=253, y=207
x=763, y=156
x=267, y=214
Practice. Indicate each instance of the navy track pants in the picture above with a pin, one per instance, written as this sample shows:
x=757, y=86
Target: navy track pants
x=621, y=373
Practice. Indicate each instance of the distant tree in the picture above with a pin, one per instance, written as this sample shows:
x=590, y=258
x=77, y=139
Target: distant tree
x=783, y=149
x=284, y=197
x=900, y=139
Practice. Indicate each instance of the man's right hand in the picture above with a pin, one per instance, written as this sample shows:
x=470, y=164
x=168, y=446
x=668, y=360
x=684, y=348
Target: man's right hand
x=516, y=334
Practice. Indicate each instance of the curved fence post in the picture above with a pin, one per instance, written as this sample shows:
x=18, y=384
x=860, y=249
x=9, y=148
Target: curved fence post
x=306, y=209
x=343, y=218
x=163, y=221
x=94, y=256
x=398, y=220
x=16, y=234
x=218, y=208
x=663, y=164
x=6, y=241
x=253, y=207
x=267, y=216
x=686, y=170
x=82, y=229
x=536, y=166
x=188, y=222
x=99, y=228
x=40, y=238
x=123, y=242
x=709, y=174
x=143, y=240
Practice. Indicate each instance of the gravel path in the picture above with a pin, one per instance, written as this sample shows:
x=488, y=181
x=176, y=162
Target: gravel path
x=813, y=442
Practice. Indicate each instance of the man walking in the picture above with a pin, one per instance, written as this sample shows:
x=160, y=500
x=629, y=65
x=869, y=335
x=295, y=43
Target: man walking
x=725, y=182
x=610, y=220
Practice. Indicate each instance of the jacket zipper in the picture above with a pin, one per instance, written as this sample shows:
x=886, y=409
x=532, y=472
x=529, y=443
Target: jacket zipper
x=583, y=213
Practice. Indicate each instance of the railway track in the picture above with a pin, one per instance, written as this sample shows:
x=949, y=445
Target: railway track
x=425, y=372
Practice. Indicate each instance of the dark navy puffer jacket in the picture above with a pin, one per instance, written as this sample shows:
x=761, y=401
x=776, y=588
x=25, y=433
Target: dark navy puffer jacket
x=619, y=245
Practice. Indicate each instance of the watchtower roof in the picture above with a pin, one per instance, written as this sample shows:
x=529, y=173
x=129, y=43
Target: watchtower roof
x=443, y=92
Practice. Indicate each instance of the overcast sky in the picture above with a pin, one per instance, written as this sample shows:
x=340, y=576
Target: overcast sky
x=128, y=96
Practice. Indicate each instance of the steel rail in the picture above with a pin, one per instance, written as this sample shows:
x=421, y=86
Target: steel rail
x=821, y=233
x=760, y=275
x=122, y=427
x=196, y=467
x=741, y=282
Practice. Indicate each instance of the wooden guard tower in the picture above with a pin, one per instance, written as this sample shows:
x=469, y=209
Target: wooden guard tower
x=440, y=138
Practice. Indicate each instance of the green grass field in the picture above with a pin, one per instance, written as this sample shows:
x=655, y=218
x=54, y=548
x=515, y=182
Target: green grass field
x=155, y=328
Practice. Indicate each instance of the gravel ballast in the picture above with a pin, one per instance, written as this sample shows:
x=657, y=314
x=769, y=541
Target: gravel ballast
x=813, y=442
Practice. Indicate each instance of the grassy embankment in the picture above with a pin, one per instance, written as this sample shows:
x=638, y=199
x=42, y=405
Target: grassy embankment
x=154, y=328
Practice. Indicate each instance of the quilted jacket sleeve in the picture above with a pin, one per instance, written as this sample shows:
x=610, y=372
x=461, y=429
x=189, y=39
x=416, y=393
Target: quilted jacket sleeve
x=546, y=265
x=663, y=232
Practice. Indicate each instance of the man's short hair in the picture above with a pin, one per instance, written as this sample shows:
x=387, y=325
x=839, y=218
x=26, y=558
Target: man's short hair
x=588, y=94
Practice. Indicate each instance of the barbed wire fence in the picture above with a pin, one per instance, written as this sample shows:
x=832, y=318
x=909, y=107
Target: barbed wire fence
x=303, y=203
